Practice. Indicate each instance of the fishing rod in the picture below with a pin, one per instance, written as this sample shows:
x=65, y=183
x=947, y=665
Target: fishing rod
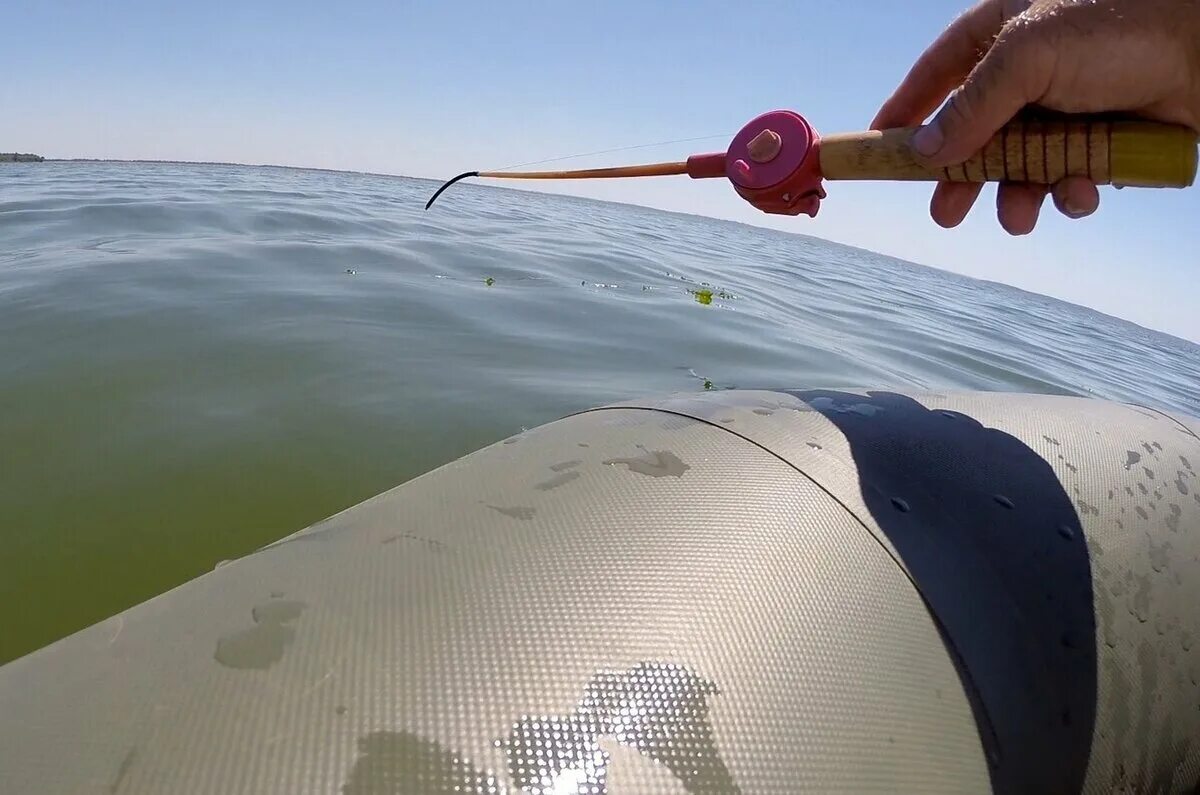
x=777, y=161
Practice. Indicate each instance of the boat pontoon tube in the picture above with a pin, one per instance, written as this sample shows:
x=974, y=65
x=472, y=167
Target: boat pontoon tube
x=735, y=591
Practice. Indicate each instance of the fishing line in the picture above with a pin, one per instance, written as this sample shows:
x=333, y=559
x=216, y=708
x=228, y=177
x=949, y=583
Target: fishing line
x=611, y=151
x=647, y=170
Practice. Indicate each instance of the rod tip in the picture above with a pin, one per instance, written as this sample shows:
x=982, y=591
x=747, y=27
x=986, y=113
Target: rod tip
x=448, y=183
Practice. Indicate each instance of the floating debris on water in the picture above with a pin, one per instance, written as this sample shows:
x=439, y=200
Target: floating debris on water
x=489, y=281
x=705, y=295
x=708, y=384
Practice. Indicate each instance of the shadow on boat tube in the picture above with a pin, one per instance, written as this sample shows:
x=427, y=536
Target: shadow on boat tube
x=994, y=544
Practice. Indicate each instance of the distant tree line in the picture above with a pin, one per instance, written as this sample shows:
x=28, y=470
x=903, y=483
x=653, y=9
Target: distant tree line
x=18, y=157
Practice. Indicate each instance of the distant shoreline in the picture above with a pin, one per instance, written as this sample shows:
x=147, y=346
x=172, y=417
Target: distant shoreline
x=230, y=164
x=20, y=157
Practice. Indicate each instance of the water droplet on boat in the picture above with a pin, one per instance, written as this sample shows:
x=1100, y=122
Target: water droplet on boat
x=522, y=512
x=1141, y=601
x=656, y=464
x=556, y=481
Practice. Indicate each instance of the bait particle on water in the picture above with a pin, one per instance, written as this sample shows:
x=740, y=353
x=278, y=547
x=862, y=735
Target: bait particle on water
x=703, y=296
x=489, y=281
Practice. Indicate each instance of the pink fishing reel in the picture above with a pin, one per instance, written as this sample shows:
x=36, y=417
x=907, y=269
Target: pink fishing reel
x=772, y=162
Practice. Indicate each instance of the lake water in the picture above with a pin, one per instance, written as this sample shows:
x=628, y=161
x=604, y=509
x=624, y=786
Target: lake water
x=198, y=360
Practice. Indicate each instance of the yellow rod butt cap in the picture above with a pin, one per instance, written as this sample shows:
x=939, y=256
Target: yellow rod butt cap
x=1150, y=154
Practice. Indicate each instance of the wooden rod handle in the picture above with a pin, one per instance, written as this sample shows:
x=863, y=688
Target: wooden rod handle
x=1133, y=153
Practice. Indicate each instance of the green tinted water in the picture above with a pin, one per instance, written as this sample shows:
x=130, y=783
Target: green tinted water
x=198, y=360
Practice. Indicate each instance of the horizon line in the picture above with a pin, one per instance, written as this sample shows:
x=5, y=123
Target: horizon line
x=436, y=180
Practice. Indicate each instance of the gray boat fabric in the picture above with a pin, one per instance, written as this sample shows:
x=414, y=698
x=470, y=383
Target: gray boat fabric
x=738, y=591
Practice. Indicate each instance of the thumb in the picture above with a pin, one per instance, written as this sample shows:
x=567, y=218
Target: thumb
x=1015, y=72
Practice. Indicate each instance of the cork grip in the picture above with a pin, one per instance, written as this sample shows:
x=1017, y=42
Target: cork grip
x=1121, y=153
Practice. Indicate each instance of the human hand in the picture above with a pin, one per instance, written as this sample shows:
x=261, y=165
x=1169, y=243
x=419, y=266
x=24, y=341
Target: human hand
x=1073, y=56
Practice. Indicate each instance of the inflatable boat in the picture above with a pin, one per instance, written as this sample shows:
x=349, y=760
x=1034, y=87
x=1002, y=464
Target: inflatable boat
x=736, y=591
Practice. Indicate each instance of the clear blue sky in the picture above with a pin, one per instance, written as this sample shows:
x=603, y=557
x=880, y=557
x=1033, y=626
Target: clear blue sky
x=433, y=88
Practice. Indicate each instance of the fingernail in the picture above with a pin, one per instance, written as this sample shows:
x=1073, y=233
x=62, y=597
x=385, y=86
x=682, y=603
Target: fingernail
x=928, y=140
x=1073, y=209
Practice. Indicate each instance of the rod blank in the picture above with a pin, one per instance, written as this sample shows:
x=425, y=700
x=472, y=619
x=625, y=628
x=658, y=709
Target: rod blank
x=647, y=170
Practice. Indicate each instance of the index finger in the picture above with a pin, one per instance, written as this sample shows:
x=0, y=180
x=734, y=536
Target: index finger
x=942, y=67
